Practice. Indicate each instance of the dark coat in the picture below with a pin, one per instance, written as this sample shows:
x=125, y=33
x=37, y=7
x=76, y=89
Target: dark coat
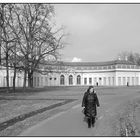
x=90, y=102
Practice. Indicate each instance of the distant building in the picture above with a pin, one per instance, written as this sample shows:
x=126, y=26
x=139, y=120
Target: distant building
x=111, y=73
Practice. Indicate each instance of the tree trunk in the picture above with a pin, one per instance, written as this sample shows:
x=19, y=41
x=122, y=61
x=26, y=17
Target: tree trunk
x=7, y=73
x=30, y=79
x=24, y=82
x=0, y=51
x=15, y=70
x=14, y=80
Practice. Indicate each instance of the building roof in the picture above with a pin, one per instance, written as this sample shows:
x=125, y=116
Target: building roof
x=94, y=63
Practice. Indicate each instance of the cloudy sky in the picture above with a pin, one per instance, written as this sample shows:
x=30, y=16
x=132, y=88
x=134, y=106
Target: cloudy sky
x=98, y=32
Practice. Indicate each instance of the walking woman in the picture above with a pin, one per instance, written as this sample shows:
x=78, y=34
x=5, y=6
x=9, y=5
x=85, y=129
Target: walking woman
x=90, y=102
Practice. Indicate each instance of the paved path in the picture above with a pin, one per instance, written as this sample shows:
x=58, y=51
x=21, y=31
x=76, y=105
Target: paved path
x=64, y=124
x=70, y=123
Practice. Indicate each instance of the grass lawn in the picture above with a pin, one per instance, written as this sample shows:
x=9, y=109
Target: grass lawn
x=29, y=103
x=16, y=104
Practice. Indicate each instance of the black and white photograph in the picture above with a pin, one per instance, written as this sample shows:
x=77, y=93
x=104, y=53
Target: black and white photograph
x=69, y=69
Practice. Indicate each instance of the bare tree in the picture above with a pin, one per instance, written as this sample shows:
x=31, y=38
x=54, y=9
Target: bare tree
x=38, y=39
x=6, y=37
x=28, y=38
x=129, y=56
x=15, y=62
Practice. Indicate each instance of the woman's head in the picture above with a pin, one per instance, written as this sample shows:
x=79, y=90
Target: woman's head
x=90, y=89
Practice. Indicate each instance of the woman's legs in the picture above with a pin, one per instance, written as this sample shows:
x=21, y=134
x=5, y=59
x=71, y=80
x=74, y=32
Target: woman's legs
x=89, y=122
x=93, y=120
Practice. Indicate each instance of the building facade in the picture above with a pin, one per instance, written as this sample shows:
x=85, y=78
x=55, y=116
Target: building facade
x=111, y=73
x=3, y=82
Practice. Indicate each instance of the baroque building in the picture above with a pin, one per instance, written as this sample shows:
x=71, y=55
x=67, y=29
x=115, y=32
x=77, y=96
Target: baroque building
x=111, y=73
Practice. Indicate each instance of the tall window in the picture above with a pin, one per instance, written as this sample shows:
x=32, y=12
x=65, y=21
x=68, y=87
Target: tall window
x=124, y=81
x=41, y=81
x=46, y=80
x=133, y=81
x=119, y=81
x=70, y=80
x=78, y=80
x=104, y=80
x=113, y=81
x=34, y=81
x=38, y=81
x=95, y=81
x=62, y=80
x=18, y=81
x=100, y=81
x=90, y=81
x=109, y=81
x=128, y=80
x=85, y=81
x=11, y=81
x=4, y=81
x=137, y=80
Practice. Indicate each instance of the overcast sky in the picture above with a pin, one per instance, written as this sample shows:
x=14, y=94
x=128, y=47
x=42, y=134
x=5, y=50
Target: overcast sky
x=98, y=32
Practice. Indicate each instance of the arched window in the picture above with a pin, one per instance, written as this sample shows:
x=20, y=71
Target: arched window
x=78, y=80
x=62, y=80
x=70, y=80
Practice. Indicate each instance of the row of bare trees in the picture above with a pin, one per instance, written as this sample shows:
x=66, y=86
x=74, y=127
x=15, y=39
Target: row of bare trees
x=130, y=56
x=27, y=37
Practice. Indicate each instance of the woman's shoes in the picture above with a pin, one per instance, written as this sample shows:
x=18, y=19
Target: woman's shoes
x=93, y=125
x=89, y=125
